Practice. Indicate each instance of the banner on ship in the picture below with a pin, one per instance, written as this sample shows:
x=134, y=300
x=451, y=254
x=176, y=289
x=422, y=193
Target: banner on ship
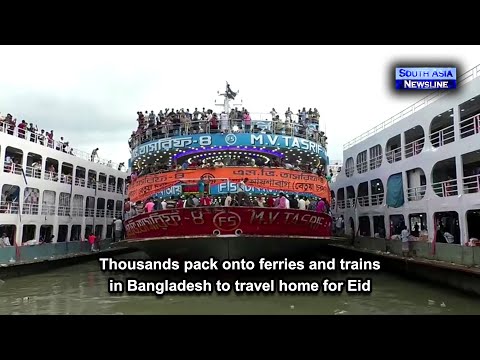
x=263, y=178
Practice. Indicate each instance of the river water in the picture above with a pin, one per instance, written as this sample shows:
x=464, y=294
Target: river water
x=82, y=289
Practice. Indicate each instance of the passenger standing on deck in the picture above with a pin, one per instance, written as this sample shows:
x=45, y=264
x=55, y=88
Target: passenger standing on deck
x=149, y=205
x=171, y=203
x=164, y=205
x=321, y=206
x=301, y=203
x=118, y=226
x=228, y=200
x=405, y=244
x=282, y=201
x=4, y=240
x=201, y=186
x=91, y=240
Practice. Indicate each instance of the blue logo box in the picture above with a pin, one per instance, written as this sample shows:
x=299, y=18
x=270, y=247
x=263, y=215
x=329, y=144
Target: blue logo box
x=425, y=78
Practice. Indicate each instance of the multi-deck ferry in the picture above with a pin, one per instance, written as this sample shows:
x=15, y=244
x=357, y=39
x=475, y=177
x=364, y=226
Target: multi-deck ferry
x=419, y=169
x=52, y=193
x=228, y=185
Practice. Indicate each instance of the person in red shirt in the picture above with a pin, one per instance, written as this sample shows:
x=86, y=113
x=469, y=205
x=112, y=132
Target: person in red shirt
x=270, y=201
x=92, y=239
x=205, y=200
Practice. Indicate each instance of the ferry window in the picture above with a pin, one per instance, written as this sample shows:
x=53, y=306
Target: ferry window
x=418, y=223
x=10, y=230
x=109, y=232
x=379, y=226
x=448, y=228
x=88, y=230
x=397, y=222
x=98, y=231
x=62, y=233
x=46, y=232
x=28, y=233
x=423, y=180
x=473, y=224
x=76, y=234
x=364, y=226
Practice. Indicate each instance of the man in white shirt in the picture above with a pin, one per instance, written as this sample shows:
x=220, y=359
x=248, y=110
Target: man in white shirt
x=118, y=226
x=301, y=203
x=228, y=200
x=164, y=204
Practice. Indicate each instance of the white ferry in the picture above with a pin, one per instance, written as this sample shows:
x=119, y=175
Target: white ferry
x=419, y=169
x=48, y=188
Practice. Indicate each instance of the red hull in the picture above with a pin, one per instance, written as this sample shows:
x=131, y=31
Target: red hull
x=233, y=221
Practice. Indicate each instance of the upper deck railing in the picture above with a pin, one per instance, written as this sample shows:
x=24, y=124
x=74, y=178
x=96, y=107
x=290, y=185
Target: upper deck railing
x=281, y=127
x=53, y=144
x=427, y=100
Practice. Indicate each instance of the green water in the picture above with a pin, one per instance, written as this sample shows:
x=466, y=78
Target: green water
x=82, y=289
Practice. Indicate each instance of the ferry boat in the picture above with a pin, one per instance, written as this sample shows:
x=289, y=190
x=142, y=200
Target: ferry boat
x=53, y=193
x=246, y=159
x=419, y=169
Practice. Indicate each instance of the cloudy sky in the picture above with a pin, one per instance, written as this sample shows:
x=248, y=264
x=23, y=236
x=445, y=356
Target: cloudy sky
x=90, y=94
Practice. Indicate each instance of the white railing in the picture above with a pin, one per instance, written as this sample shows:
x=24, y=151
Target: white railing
x=394, y=155
x=118, y=214
x=50, y=175
x=30, y=209
x=446, y=188
x=89, y=212
x=341, y=204
x=100, y=213
x=471, y=184
x=376, y=199
x=362, y=167
x=48, y=209
x=111, y=188
x=77, y=211
x=442, y=137
x=30, y=171
x=66, y=179
x=91, y=184
x=12, y=168
x=63, y=211
x=351, y=202
x=363, y=200
x=80, y=182
x=110, y=213
x=53, y=144
x=470, y=126
x=101, y=186
x=9, y=207
x=375, y=162
x=427, y=100
x=416, y=193
x=414, y=148
x=120, y=190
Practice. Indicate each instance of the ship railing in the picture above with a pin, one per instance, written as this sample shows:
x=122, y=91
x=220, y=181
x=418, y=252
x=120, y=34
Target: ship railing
x=31, y=171
x=48, y=209
x=50, y=175
x=9, y=207
x=350, y=203
x=110, y=213
x=443, y=136
x=363, y=200
x=118, y=214
x=414, y=148
x=375, y=162
x=63, y=211
x=91, y=184
x=111, y=188
x=446, y=188
x=470, y=126
x=341, y=204
x=376, y=199
x=362, y=167
x=77, y=211
x=101, y=186
x=309, y=132
x=427, y=100
x=66, y=179
x=394, y=155
x=471, y=184
x=119, y=190
x=53, y=144
x=100, y=213
x=80, y=182
x=30, y=209
x=416, y=193
x=333, y=203
x=12, y=168
x=89, y=212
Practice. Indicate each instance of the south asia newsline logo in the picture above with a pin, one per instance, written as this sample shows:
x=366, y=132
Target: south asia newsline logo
x=425, y=78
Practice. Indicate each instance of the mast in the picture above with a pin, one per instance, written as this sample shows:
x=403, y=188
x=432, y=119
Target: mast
x=228, y=95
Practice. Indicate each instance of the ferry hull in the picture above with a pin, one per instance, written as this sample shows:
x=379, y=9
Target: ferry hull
x=228, y=233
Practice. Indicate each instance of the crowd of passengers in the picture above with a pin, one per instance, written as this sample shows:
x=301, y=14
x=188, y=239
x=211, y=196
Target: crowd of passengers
x=242, y=161
x=282, y=201
x=171, y=122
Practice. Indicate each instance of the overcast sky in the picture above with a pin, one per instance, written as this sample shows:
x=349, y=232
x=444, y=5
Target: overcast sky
x=90, y=94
